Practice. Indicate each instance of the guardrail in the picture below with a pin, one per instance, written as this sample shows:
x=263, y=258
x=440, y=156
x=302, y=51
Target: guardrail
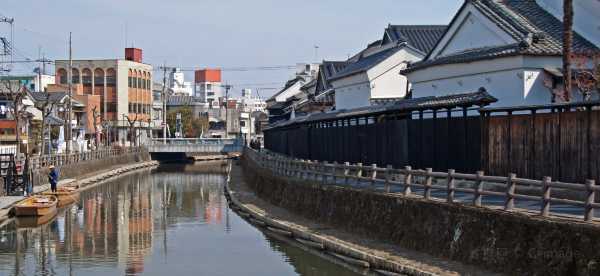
x=195, y=145
x=37, y=162
x=422, y=183
x=194, y=141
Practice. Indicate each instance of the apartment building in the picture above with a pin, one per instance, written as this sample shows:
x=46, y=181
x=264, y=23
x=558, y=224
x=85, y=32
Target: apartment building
x=125, y=90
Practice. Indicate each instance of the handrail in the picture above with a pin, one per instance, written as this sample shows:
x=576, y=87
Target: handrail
x=38, y=162
x=410, y=179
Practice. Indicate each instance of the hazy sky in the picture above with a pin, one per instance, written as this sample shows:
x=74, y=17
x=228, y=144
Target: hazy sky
x=214, y=33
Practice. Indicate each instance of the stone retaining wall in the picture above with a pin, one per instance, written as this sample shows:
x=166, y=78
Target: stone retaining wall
x=514, y=243
x=40, y=177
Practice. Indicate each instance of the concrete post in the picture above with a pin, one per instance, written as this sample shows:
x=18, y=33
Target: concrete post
x=450, y=186
x=407, y=180
x=546, y=189
x=346, y=172
x=510, y=192
x=478, y=189
x=373, y=175
x=388, y=170
x=590, y=186
x=428, y=182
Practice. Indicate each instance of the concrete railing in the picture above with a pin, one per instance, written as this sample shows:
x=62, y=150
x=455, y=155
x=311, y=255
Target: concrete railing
x=431, y=185
x=195, y=145
x=43, y=161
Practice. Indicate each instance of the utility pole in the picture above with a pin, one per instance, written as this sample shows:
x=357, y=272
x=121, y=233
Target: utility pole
x=164, y=99
x=69, y=131
x=227, y=87
x=7, y=44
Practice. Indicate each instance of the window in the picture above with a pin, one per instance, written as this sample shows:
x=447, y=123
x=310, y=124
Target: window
x=208, y=87
x=134, y=82
x=111, y=81
x=130, y=82
x=139, y=82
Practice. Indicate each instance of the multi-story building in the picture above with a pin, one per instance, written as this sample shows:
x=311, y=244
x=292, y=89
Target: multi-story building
x=178, y=84
x=207, y=86
x=125, y=90
x=248, y=103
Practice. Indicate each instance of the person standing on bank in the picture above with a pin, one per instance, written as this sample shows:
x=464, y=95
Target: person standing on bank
x=53, y=178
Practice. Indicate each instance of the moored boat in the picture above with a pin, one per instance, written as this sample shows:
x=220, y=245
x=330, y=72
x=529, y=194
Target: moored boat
x=34, y=221
x=65, y=195
x=37, y=205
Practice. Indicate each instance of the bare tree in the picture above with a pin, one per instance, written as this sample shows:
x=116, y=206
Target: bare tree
x=15, y=93
x=47, y=107
x=131, y=123
x=96, y=115
x=567, y=46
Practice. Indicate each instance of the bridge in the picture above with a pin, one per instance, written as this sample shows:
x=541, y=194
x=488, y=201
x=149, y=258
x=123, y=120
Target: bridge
x=185, y=148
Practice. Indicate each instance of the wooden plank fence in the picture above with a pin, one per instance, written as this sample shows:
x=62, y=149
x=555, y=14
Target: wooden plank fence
x=409, y=180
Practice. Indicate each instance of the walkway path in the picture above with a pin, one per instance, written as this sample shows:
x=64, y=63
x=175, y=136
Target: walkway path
x=414, y=263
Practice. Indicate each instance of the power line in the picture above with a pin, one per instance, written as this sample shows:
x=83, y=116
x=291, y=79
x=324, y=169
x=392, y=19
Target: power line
x=241, y=68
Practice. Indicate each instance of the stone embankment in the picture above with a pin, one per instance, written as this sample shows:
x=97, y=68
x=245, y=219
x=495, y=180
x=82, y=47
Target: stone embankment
x=435, y=233
x=364, y=254
x=86, y=174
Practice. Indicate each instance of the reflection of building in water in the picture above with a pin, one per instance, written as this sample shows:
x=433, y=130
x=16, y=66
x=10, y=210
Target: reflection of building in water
x=114, y=223
x=135, y=225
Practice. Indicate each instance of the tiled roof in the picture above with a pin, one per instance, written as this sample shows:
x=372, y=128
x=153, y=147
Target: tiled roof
x=365, y=63
x=421, y=37
x=309, y=84
x=288, y=84
x=479, y=98
x=53, y=120
x=52, y=97
x=328, y=69
x=538, y=32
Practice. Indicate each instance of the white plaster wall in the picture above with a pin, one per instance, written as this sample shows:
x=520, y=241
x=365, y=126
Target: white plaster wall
x=511, y=88
x=469, y=24
x=352, y=92
x=385, y=78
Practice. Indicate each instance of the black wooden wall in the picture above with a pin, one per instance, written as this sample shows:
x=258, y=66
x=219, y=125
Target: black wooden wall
x=441, y=143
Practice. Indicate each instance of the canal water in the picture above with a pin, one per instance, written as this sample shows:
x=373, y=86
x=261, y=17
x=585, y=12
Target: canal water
x=173, y=220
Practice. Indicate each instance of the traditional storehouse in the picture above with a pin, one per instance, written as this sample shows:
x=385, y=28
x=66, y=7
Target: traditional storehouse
x=512, y=48
x=373, y=74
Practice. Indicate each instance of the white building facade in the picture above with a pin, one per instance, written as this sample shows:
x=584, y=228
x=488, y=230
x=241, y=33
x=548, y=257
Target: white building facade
x=178, y=84
x=511, y=48
x=374, y=74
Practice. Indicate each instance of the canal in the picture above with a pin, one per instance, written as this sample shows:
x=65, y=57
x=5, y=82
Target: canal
x=172, y=220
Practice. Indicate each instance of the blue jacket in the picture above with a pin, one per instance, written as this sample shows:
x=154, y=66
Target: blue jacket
x=53, y=176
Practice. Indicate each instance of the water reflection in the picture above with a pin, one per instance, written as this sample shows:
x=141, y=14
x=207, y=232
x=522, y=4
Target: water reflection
x=171, y=221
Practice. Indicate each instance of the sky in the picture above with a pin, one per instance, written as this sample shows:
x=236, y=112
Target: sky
x=212, y=33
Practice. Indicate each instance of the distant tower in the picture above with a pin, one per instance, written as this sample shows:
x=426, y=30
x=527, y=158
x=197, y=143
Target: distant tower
x=207, y=85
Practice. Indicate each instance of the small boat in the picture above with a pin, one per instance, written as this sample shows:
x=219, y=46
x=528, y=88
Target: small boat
x=37, y=205
x=65, y=195
x=34, y=221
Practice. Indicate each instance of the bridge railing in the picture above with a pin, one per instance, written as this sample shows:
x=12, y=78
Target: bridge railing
x=195, y=141
x=508, y=193
x=195, y=145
